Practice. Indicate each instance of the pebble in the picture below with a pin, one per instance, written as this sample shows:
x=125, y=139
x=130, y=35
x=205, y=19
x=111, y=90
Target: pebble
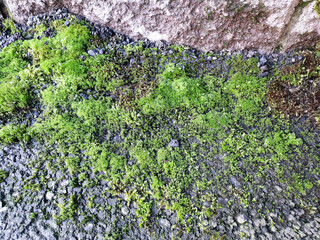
x=49, y=196
x=263, y=61
x=235, y=182
x=164, y=223
x=264, y=68
x=241, y=218
x=174, y=143
x=125, y=211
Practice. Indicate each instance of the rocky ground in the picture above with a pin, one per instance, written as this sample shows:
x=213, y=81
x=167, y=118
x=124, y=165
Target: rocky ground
x=38, y=201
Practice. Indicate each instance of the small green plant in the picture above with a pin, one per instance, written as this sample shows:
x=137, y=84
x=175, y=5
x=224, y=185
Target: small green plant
x=33, y=215
x=9, y=24
x=3, y=175
x=68, y=211
x=13, y=133
x=144, y=211
x=14, y=95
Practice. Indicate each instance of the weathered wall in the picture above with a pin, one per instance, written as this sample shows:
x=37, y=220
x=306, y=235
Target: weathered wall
x=205, y=24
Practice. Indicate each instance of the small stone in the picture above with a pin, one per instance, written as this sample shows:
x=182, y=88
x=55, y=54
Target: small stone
x=264, y=68
x=66, y=23
x=164, y=223
x=214, y=224
x=273, y=229
x=82, y=57
x=250, y=54
x=174, y=143
x=296, y=226
x=263, y=60
x=88, y=227
x=291, y=218
x=51, y=184
x=242, y=218
x=235, y=182
x=3, y=209
x=64, y=183
x=101, y=51
x=117, y=138
x=278, y=189
x=125, y=210
x=112, y=201
x=223, y=201
x=263, y=75
x=263, y=222
x=92, y=53
x=49, y=196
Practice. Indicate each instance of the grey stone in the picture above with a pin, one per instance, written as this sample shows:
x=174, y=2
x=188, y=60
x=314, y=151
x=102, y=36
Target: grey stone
x=64, y=183
x=241, y=218
x=112, y=202
x=235, y=182
x=49, y=196
x=92, y=53
x=174, y=143
x=263, y=61
x=164, y=223
x=207, y=204
x=278, y=189
x=125, y=211
x=264, y=68
x=89, y=227
x=291, y=218
x=3, y=209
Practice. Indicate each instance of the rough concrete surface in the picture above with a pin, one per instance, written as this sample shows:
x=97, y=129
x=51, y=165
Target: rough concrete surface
x=264, y=25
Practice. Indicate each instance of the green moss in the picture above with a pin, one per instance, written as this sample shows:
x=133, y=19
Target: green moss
x=3, y=175
x=69, y=210
x=8, y=24
x=11, y=133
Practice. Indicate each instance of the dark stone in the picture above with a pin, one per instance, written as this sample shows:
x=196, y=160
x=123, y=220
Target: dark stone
x=262, y=75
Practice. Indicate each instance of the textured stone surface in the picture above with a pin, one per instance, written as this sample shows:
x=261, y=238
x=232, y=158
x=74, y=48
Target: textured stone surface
x=207, y=25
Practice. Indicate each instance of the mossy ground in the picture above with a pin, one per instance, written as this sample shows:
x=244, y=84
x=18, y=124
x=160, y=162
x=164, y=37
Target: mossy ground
x=112, y=117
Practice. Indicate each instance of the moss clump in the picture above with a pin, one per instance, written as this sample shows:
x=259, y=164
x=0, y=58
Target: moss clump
x=11, y=133
x=8, y=24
